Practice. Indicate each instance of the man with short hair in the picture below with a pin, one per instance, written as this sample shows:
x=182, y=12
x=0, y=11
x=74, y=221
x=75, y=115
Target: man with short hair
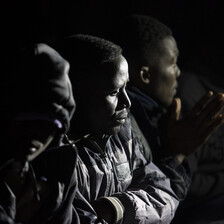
x=116, y=183
x=152, y=54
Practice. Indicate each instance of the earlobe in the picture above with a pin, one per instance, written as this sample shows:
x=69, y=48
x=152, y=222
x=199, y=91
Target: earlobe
x=144, y=74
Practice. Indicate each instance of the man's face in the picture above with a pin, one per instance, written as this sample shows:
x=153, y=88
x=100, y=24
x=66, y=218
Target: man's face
x=164, y=73
x=27, y=139
x=105, y=105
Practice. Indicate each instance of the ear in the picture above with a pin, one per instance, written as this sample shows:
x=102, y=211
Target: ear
x=144, y=74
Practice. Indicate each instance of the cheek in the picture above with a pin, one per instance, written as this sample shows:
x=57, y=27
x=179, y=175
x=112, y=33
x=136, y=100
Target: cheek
x=168, y=79
x=111, y=103
x=162, y=86
x=101, y=110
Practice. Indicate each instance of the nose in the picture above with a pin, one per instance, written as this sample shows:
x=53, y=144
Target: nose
x=124, y=100
x=178, y=71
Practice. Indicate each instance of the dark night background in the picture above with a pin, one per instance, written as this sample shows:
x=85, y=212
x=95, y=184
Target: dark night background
x=197, y=25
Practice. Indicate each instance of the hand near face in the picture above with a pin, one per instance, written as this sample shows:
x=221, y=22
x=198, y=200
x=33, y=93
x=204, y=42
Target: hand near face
x=184, y=136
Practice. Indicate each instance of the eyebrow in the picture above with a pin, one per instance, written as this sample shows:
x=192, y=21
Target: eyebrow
x=113, y=88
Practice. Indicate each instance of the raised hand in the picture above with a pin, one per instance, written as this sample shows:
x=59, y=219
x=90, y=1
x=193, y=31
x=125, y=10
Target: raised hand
x=184, y=136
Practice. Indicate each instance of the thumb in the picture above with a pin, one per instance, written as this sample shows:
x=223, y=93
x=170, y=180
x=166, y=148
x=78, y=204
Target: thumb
x=174, y=111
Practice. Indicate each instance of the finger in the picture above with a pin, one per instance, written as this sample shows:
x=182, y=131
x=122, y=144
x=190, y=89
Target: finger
x=212, y=109
x=213, y=126
x=174, y=111
x=198, y=107
x=178, y=108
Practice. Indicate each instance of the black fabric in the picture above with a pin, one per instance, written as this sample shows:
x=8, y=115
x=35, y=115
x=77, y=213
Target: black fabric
x=4, y=219
x=37, y=81
x=206, y=163
x=58, y=167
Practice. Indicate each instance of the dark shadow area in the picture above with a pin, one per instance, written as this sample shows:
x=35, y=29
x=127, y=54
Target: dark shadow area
x=197, y=25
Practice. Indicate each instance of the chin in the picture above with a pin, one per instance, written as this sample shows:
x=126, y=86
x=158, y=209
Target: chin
x=168, y=102
x=114, y=130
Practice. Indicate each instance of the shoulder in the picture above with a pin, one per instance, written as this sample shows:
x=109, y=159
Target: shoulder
x=59, y=163
x=62, y=153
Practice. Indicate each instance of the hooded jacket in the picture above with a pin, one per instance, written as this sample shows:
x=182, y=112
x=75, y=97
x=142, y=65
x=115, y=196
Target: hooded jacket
x=37, y=86
x=137, y=189
x=37, y=82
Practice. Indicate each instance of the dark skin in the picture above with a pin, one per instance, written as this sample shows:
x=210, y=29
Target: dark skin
x=158, y=79
x=27, y=140
x=184, y=136
x=104, y=108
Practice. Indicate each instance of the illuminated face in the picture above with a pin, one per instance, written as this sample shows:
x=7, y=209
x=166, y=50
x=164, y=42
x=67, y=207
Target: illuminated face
x=164, y=73
x=105, y=107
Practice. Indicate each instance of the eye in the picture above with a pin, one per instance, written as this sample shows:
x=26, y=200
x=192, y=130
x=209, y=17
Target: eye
x=114, y=93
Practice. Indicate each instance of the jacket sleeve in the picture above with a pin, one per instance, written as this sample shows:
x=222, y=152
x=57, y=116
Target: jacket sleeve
x=85, y=211
x=207, y=180
x=62, y=161
x=179, y=174
x=149, y=198
x=4, y=219
x=7, y=204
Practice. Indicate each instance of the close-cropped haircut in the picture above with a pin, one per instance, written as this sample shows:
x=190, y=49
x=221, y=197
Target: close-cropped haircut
x=86, y=54
x=140, y=36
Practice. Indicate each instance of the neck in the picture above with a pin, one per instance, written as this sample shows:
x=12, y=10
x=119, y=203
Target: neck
x=99, y=145
x=101, y=140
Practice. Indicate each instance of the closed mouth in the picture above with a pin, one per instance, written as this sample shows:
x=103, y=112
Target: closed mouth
x=121, y=116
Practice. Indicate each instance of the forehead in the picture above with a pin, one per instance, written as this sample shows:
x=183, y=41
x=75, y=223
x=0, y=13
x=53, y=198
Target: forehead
x=113, y=75
x=169, y=47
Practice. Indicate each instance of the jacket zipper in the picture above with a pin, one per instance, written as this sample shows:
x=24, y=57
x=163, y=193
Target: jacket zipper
x=107, y=161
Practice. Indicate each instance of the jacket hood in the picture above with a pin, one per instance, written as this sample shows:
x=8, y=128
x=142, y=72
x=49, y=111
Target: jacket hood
x=37, y=83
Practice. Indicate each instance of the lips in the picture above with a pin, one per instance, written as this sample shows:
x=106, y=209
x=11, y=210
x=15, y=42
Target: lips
x=121, y=117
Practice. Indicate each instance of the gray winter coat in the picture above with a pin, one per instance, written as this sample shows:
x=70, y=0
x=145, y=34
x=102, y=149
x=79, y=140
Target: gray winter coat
x=122, y=172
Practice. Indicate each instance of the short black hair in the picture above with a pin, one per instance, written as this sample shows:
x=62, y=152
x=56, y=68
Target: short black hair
x=86, y=54
x=140, y=36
